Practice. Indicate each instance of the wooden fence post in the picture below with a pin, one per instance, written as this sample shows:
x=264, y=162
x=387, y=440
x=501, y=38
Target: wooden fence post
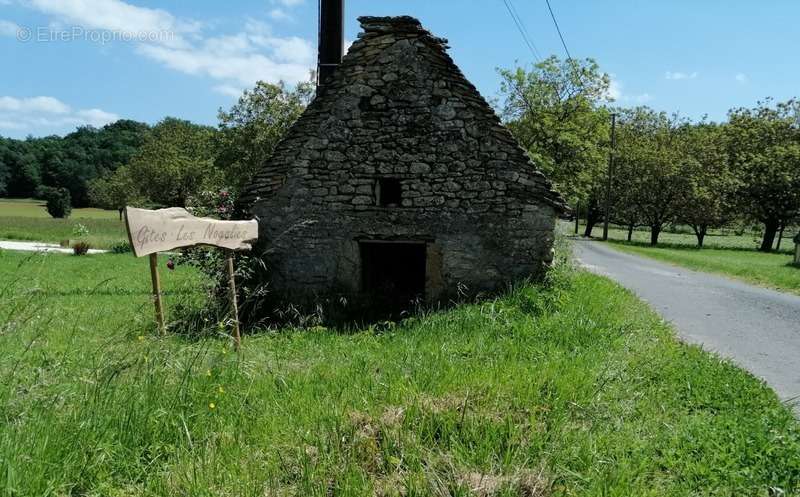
x=237, y=338
x=157, y=293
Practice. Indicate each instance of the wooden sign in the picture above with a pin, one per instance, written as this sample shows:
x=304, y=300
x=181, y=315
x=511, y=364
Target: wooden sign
x=167, y=229
x=151, y=232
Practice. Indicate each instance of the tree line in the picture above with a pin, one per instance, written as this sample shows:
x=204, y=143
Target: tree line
x=68, y=163
x=172, y=163
x=666, y=169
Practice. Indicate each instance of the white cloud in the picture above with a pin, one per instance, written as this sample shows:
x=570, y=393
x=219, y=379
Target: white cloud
x=45, y=114
x=280, y=15
x=47, y=105
x=614, y=89
x=11, y=125
x=241, y=59
x=96, y=117
x=615, y=92
x=235, y=60
x=676, y=76
x=8, y=28
x=114, y=15
x=640, y=99
x=232, y=62
x=741, y=78
x=231, y=91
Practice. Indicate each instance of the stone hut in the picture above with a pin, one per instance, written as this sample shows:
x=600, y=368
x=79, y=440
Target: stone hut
x=399, y=181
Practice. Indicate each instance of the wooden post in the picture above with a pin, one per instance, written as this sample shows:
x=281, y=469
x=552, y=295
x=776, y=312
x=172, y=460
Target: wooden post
x=237, y=338
x=797, y=251
x=157, y=293
x=610, y=176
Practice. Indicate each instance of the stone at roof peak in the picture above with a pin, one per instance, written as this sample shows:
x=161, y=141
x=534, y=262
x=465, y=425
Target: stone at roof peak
x=403, y=24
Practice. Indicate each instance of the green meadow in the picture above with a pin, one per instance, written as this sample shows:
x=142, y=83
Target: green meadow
x=573, y=387
x=27, y=219
x=774, y=270
x=724, y=253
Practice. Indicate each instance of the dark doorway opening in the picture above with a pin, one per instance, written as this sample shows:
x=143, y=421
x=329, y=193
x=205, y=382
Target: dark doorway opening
x=393, y=273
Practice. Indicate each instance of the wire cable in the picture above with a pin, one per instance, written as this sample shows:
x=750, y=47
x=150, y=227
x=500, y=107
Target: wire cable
x=558, y=29
x=524, y=27
x=521, y=28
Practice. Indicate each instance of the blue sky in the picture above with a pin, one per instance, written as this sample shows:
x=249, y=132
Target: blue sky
x=73, y=62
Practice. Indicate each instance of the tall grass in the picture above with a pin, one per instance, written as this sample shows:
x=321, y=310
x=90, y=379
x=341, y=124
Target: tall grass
x=573, y=388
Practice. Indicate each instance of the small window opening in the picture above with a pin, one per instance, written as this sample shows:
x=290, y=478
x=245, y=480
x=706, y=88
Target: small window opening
x=389, y=192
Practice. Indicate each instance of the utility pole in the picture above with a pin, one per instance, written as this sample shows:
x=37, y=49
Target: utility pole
x=607, y=215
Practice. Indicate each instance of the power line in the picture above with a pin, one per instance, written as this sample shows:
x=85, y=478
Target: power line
x=558, y=29
x=521, y=28
x=524, y=27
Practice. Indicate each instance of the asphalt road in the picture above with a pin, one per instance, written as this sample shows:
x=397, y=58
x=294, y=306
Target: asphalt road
x=759, y=329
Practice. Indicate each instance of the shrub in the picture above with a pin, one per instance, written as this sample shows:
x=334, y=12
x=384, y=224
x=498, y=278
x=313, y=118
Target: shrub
x=59, y=202
x=80, y=230
x=121, y=248
x=81, y=248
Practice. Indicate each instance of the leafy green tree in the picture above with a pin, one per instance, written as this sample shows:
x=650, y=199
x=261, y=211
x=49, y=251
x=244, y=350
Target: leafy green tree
x=175, y=162
x=5, y=175
x=709, y=195
x=556, y=111
x=624, y=208
x=115, y=191
x=59, y=204
x=650, y=156
x=23, y=172
x=764, y=150
x=118, y=142
x=250, y=130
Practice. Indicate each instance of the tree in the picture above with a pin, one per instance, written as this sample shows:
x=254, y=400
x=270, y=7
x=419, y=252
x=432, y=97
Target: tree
x=708, y=198
x=59, y=204
x=650, y=156
x=250, y=130
x=556, y=112
x=764, y=150
x=114, y=191
x=624, y=197
x=5, y=175
x=175, y=162
x=24, y=176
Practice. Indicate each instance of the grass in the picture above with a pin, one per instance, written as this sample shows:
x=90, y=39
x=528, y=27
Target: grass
x=27, y=219
x=770, y=270
x=28, y=207
x=576, y=388
x=682, y=236
x=724, y=253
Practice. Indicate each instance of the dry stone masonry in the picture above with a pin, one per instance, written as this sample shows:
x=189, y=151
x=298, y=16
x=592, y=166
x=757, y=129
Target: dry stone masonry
x=399, y=180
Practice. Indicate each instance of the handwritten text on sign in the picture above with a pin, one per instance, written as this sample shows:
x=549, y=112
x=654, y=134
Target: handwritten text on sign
x=167, y=229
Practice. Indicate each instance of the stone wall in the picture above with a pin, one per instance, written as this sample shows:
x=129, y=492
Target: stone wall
x=399, y=108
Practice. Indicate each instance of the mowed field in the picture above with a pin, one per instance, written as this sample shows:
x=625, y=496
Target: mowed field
x=727, y=254
x=27, y=219
x=570, y=388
